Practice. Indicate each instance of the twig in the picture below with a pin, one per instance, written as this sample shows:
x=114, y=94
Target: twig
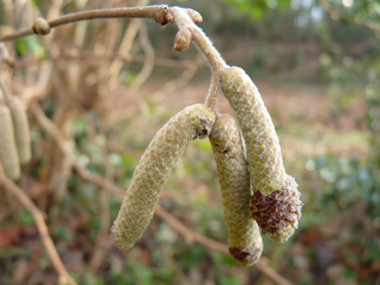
x=109, y=187
x=212, y=56
x=157, y=13
x=64, y=277
x=335, y=14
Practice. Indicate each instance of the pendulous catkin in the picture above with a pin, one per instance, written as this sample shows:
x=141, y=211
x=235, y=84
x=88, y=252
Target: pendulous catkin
x=8, y=150
x=275, y=204
x=153, y=171
x=244, y=241
x=21, y=129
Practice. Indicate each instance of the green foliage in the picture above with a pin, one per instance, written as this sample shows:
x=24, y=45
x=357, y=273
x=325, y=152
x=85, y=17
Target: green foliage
x=257, y=8
x=32, y=45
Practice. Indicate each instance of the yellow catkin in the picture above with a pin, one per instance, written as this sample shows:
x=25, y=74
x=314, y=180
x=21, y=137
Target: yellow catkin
x=153, y=170
x=275, y=204
x=8, y=150
x=244, y=241
x=21, y=129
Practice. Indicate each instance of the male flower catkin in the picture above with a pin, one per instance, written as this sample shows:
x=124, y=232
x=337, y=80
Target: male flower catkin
x=21, y=129
x=153, y=170
x=244, y=241
x=8, y=151
x=275, y=204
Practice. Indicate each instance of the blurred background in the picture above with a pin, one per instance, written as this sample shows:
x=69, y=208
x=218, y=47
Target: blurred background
x=109, y=85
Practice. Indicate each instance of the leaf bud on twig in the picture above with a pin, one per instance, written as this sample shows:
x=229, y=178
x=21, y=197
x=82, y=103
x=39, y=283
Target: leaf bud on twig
x=194, y=15
x=182, y=39
x=41, y=26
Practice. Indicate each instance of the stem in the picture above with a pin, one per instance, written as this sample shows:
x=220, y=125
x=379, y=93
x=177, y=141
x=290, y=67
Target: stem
x=157, y=13
x=205, y=46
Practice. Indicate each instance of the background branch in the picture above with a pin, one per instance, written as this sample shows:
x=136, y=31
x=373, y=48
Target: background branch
x=64, y=277
x=335, y=14
x=157, y=13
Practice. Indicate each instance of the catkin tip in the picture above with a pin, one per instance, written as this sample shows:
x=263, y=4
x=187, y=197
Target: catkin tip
x=278, y=213
x=247, y=258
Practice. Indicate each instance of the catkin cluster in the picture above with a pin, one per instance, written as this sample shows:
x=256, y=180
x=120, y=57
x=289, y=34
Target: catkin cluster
x=256, y=190
x=15, y=142
x=253, y=184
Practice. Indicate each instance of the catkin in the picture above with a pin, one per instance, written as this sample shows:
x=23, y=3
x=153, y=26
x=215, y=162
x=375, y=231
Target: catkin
x=275, y=204
x=244, y=241
x=153, y=170
x=8, y=150
x=21, y=129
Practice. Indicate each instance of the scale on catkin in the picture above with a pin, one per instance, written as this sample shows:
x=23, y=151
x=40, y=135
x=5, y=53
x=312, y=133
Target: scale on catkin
x=276, y=204
x=153, y=170
x=244, y=241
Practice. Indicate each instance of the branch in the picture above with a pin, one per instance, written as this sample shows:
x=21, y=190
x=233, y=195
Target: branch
x=212, y=56
x=43, y=27
x=109, y=187
x=335, y=14
x=64, y=277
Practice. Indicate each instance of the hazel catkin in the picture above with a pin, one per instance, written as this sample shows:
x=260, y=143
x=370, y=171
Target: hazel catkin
x=244, y=241
x=275, y=204
x=21, y=129
x=153, y=170
x=8, y=150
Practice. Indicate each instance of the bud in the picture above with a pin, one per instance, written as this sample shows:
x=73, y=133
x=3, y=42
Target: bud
x=41, y=26
x=182, y=39
x=194, y=15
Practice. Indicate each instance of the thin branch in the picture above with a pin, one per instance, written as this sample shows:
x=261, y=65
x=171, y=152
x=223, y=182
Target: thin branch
x=64, y=277
x=212, y=56
x=157, y=13
x=109, y=187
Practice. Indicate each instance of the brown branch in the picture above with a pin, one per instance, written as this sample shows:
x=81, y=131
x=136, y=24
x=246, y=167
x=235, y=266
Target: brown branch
x=64, y=277
x=335, y=14
x=109, y=187
x=157, y=13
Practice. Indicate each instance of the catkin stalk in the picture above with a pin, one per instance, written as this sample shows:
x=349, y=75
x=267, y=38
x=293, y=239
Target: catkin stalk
x=153, y=171
x=21, y=129
x=244, y=241
x=275, y=204
x=8, y=151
